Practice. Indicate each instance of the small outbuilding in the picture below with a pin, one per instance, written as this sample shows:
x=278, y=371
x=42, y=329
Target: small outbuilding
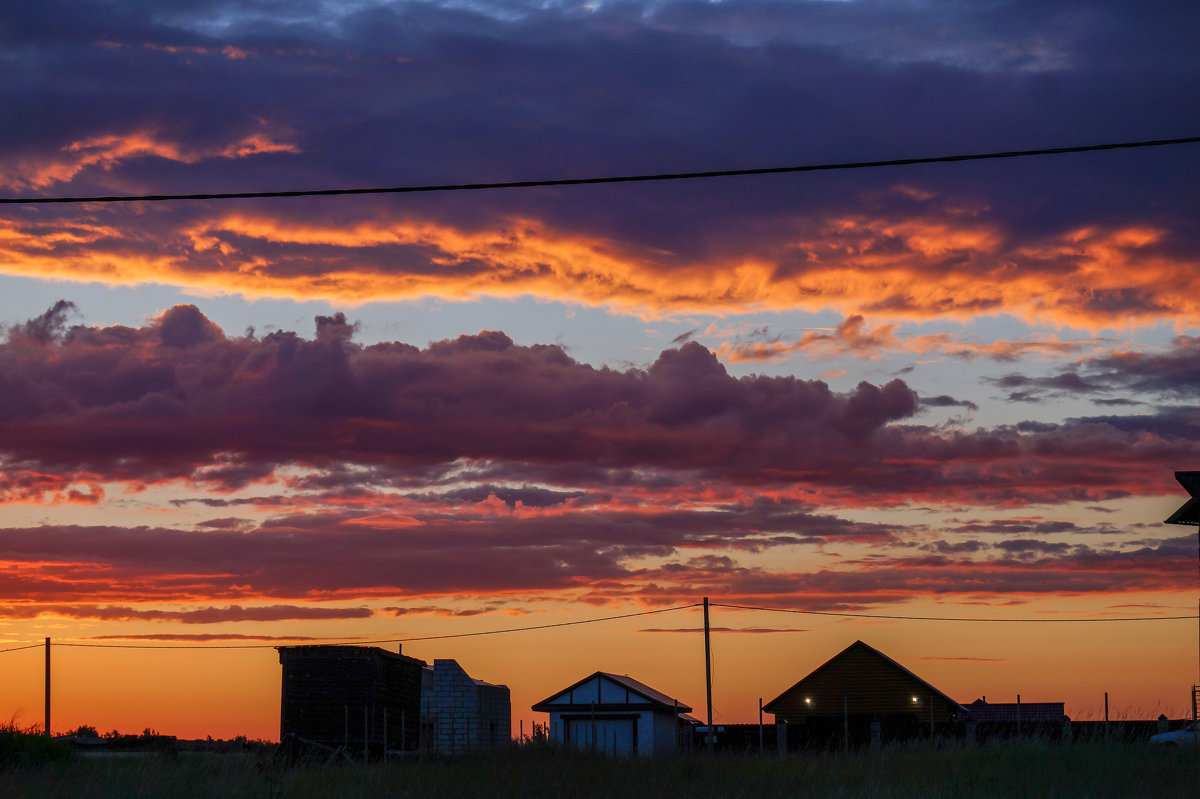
x=617, y=715
x=461, y=714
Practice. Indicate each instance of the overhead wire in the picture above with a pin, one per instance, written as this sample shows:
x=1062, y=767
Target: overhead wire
x=529, y=628
x=368, y=642
x=641, y=178
x=896, y=617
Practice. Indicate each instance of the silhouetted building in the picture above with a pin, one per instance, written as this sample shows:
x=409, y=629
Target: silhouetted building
x=355, y=697
x=462, y=714
x=854, y=689
x=617, y=715
x=861, y=680
x=984, y=712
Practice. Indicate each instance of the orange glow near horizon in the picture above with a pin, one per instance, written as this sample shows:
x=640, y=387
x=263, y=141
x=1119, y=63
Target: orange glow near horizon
x=236, y=691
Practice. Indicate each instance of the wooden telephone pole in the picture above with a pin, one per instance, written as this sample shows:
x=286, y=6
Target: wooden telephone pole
x=47, y=687
x=708, y=674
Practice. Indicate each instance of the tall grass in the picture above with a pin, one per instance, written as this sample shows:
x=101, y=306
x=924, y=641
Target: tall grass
x=1028, y=770
x=25, y=747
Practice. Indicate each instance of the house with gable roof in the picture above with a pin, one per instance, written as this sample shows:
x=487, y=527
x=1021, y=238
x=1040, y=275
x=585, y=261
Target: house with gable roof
x=617, y=715
x=860, y=685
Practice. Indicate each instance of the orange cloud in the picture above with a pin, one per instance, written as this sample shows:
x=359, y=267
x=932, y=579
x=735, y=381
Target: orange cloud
x=910, y=270
x=856, y=264
x=923, y=269
x=110, y=150
x=43, y=488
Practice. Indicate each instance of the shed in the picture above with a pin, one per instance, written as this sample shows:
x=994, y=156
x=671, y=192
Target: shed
x=357, y=697
x=617, y=715
x=461, y=714
x=862, y=682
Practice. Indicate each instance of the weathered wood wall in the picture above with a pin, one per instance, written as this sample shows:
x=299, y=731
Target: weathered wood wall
x=341, y=695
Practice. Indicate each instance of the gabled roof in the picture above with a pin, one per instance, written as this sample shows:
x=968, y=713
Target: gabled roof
x=833, y=663
x=635, y=687
x=645, y=690
x=1189, y=513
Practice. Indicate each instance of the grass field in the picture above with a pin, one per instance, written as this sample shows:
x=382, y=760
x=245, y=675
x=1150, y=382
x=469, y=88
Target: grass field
x=1030, y=770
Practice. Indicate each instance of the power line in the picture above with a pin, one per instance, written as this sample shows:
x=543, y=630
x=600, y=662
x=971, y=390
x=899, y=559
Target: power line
x=541, y=626
x=366, y=642
x=947, y=618
x=528, y=184
x=344, y=642
x=316, y=642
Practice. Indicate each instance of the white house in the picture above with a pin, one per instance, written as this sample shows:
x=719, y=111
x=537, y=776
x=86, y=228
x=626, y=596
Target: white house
x=617, y=715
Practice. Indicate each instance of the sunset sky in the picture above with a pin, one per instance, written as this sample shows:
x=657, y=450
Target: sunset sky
x=952, y=390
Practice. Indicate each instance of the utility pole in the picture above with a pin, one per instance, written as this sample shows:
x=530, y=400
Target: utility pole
x=708, y=673
x=47, y=687
x=760, y=726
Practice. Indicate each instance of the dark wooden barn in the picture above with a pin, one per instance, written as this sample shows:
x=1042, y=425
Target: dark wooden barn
x=838, y=702
x=357, y=697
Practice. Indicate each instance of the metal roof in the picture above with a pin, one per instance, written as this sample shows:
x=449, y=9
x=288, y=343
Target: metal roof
x=625, y=681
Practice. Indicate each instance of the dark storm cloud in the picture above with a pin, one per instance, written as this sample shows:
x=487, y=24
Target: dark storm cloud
x=946, y=401
x=178, y=399
x=1026, y=526
x=1027, y=548
x=1173, y=374
x=332, y=554
x=548, y=86
x=214, y=96
x=209, y=615
x=1165, y=565
x=438, y=611
x=529, y=496
x=352, y=556
x=1177, y=422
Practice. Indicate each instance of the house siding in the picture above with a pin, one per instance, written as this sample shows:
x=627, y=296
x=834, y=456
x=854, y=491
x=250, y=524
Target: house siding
x=627, y=717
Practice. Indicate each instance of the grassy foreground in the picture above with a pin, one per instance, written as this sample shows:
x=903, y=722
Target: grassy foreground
x=1033, y=770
